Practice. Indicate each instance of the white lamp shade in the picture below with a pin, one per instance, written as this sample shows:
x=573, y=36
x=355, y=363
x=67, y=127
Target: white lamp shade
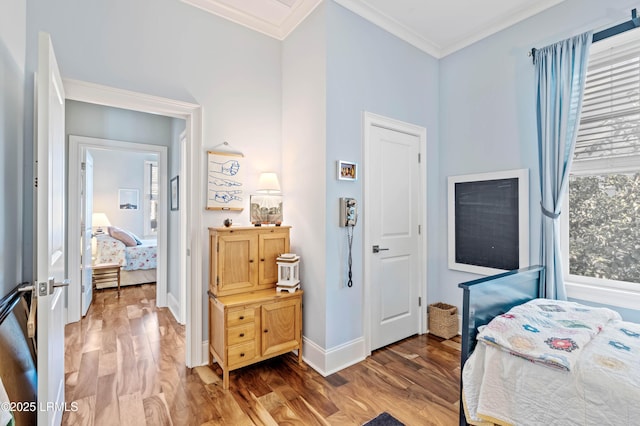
x=268, y=183
x=99, y=220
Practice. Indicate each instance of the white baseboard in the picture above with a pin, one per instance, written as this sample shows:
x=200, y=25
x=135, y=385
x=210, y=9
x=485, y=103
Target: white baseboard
x=329, y=361
x=174, y=307
x=205, y=353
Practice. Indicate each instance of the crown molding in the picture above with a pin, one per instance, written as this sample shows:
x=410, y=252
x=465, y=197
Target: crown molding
x=499, y=25
x=280, y=31
x=391, y=25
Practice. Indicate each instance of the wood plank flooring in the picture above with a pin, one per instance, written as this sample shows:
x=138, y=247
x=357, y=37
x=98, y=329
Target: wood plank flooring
x=124, y=365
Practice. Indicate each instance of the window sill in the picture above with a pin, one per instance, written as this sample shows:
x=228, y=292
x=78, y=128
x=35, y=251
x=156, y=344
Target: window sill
x=607, y=296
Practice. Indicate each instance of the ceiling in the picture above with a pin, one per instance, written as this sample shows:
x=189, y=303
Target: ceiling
x=438, y=27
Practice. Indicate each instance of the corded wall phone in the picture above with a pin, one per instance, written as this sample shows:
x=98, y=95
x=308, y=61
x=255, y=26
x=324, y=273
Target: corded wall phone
x=348, y=219
x=348, y=212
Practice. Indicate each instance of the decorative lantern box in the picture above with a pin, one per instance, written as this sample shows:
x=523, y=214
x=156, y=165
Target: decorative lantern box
x=288, y=272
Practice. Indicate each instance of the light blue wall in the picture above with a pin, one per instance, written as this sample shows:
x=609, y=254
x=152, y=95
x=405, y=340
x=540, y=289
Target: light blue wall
x=303, y=163
x=97, y=121
x=487, y=109
x=115, y=169
x=369, y=69
x=12, y=80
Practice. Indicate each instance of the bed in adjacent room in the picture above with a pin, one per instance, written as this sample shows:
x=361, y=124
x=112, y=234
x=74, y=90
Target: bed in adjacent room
x=138, y=257
x=541, y=361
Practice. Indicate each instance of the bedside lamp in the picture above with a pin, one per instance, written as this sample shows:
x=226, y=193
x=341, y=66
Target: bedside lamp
x=99, y=221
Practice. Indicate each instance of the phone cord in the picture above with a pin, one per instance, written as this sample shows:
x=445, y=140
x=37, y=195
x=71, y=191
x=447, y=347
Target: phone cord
x=350, y=261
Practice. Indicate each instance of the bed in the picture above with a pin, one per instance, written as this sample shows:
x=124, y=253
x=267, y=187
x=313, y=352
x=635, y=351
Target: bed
x=585, y=372
x=138, y=262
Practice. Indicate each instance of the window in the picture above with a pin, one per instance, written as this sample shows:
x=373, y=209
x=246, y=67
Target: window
x=150, y=198
x=601, y=240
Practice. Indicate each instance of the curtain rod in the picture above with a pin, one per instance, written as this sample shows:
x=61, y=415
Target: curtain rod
x=634, y=22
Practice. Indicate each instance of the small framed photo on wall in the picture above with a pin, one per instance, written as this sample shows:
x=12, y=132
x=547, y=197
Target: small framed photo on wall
x=128, y=199
x=347, y=170
x=174, y=193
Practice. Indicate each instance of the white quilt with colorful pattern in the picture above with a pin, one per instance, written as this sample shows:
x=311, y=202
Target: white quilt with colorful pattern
x=597, y=384
x=550, y=332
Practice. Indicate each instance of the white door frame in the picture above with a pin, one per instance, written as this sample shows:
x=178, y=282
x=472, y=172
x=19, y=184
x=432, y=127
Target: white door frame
x=77, y=146
x=190, y=199
x=373, y=120
x=184, y=220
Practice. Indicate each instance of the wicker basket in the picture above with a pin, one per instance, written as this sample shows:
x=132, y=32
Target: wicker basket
x=443, y=320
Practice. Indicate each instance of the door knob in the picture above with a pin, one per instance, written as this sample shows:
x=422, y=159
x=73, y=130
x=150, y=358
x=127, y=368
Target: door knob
x=377, y=249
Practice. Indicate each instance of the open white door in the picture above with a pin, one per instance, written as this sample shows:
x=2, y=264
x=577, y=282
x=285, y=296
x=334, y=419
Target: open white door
x=49, y=236
x=86, y=199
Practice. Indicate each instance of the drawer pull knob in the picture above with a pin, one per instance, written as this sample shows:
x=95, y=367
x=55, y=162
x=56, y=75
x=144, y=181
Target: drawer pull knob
x=241, y=354
x=250, y=260
x=241, y=334
x=241, y=317
x=266, y=330
x=261, y=260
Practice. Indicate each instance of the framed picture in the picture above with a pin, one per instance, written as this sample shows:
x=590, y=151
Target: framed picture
x=128, y=199
x=174, y=189
x=347, y=170
x=266, y=209
x=225, y=172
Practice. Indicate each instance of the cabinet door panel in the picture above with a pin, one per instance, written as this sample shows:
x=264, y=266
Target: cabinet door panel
x=237, y=268
x=280, y=326
x=216, y=329
x=272, y=245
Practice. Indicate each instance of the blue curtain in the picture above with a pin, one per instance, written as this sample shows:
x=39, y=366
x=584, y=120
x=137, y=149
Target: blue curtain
x=560, y=76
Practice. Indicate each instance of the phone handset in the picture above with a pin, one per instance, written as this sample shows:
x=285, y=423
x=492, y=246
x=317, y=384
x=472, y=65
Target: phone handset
x=348, y=212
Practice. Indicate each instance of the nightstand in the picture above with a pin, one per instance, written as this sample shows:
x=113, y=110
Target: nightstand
x=106, y=273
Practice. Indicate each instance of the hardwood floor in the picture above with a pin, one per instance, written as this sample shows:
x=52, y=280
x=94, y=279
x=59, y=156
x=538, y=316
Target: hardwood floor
x=124, y=365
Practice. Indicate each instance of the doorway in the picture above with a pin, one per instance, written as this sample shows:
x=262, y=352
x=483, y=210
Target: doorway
x=190, y=215
x=395, y=231
x=122, y=165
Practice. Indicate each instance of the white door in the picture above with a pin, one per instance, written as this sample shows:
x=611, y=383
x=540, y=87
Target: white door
x=86, y=199
x=394, y=219
x=49, y=236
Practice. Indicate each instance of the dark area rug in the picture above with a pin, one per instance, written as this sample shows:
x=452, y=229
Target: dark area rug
x=384, y=419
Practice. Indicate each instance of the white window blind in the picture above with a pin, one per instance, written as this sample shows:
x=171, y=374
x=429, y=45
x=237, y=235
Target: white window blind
x=610, y=120
x=150, y=197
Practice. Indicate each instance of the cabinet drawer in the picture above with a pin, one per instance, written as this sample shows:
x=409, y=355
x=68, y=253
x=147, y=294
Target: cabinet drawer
x=241, y=333
x=240, y=316
x=239, y=354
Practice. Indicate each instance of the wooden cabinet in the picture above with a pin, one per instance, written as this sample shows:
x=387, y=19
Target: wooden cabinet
x=251, y=327
x=244, y=259
x=248, y=320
